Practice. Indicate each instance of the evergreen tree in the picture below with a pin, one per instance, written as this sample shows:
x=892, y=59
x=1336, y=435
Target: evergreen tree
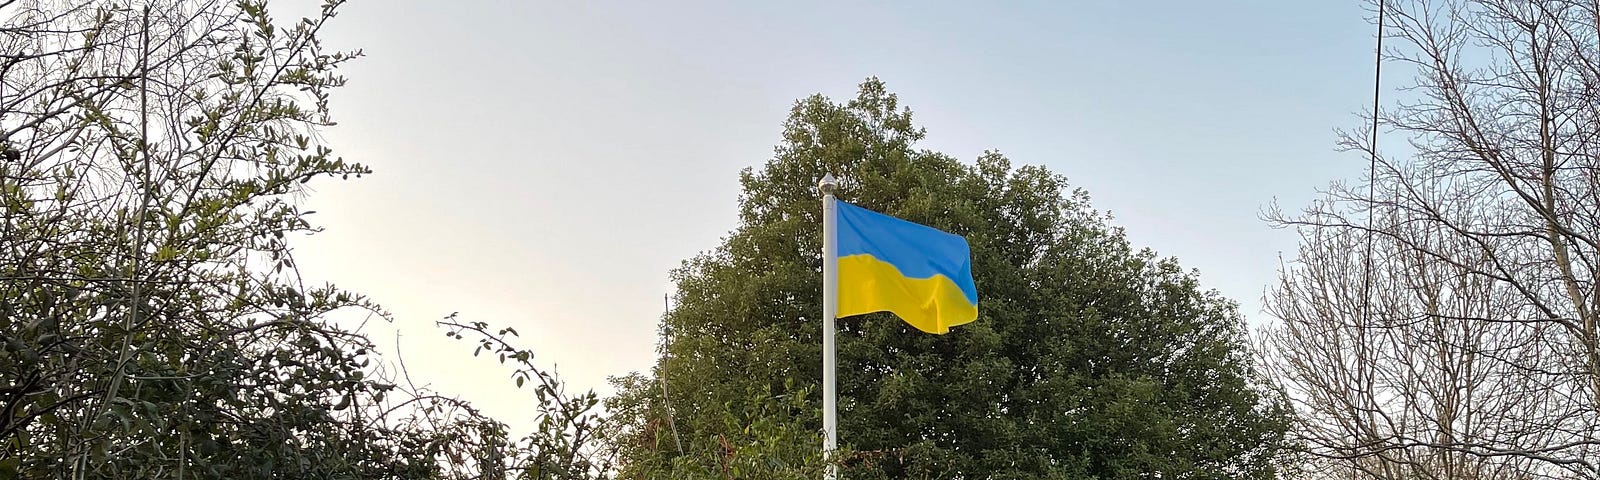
x=1089, y=358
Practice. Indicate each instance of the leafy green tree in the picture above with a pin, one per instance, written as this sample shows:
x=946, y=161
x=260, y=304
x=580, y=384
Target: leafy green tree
x=152, y=322
x=1090, y=358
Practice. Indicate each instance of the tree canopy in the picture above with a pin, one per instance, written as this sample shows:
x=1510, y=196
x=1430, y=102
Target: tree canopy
x=1090, y=358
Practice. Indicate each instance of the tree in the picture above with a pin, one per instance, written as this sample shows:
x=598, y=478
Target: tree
x=1390, y=385
x=152, y=320
x=1089, y=359
x=1441, y=321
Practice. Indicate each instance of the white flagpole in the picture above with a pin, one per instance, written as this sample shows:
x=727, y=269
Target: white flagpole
x=830, y=309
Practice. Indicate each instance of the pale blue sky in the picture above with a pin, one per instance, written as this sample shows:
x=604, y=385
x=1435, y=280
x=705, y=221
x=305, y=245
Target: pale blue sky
x=543, y=165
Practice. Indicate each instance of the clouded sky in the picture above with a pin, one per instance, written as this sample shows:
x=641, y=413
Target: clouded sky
x=544, y=165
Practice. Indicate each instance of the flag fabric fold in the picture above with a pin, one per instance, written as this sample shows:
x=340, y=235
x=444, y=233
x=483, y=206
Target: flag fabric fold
x=919, y=273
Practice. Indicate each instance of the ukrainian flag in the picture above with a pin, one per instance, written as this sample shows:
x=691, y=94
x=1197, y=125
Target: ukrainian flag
x=919, y=273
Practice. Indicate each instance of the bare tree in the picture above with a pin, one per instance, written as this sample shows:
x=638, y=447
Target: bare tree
x=1416, y=375
x=1441, y=321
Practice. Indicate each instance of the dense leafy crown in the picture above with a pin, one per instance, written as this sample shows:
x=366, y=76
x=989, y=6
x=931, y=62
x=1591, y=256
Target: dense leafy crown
x=1089, y=358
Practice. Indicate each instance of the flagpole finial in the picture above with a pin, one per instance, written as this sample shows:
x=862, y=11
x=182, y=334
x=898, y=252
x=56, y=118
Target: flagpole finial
x=827, y=184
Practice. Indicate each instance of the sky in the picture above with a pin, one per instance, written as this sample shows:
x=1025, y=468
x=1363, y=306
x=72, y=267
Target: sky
x=545, y=165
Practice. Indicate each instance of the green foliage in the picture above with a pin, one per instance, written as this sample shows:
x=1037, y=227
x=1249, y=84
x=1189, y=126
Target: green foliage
x=1090, y=359
x=762, y=435
x=152, y=321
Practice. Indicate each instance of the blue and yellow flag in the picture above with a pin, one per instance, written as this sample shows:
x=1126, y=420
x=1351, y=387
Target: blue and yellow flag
x=919, y=273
